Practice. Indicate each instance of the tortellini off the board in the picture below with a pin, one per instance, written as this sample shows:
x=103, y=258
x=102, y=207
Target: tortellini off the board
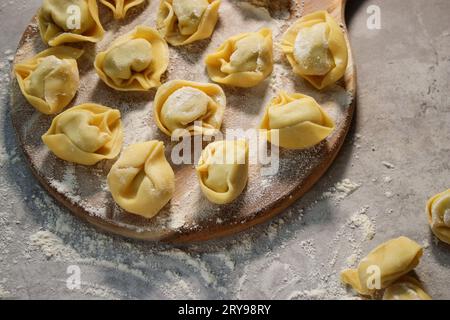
x=296, y=121
x=64, y=21
x=183, y=106
x=222, y=170
x=85, y=134
x=407, y=288
x=135, y=61
x=185, y=21
x=142, y=182
x=244, y=60
x=387, y=262
x=121, y=7
x=316, y=48
x=50, y=80
x=438, y=211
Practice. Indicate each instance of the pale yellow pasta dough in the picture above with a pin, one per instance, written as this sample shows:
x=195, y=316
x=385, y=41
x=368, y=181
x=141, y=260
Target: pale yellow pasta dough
x=184, y=21
x=184, y=106
x=142, y=182
x=64, y=21
x=316, y=48
x=407, y=288
x=121, y=7
x=438, y=212
x=390, y=261
x=244, y=60
x=296, y=121
x=223, y=170
x=85, y=134
x=50, y=80
x=135, y=61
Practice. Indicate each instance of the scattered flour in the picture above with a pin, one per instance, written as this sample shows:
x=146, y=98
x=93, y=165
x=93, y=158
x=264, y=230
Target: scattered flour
x=52, y=246
x=4, y=293
x=309, y=248
x=341, y=190
x=361, y=220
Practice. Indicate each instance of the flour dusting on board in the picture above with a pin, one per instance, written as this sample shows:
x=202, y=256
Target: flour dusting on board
x=85, y=187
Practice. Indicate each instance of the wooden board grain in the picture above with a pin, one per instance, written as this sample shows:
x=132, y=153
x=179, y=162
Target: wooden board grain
x=189, y=217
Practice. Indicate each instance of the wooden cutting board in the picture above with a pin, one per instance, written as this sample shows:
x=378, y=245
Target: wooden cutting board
x=189, y=216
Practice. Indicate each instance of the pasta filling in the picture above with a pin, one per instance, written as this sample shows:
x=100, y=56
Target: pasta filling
x=183, y=107
x=246, y=56
x=58, y=11
x=189, y=14
x=132, y=56
x=311, y=50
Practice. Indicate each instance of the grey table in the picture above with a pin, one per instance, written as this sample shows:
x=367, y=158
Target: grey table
x=403, y=119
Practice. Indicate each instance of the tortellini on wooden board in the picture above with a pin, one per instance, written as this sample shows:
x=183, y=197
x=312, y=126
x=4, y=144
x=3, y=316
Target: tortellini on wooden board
x=296, y=121
x=438, y=212
x=85, y=134
x=316, y=48
x=390, y=261
x=222, y=170
x=244, y=60
x=64, y=21
x=185, y=21
x=135, y=61
x=121, y=7
x=50, y=80
x=407, y=288
x=183, y=106
x=142, y=182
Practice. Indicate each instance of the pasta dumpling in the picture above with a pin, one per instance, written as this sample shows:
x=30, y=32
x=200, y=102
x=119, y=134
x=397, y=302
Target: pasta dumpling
x=407, y=288
x=85, y=134
x=135, y=61
x=316, y=48
x=189, y=106
x=223, y=170
x=63, y=21
x=438, y=211
x=296, y=121
x=121, y=7
x=387, y=262
x=243, y=61
x=142, y=182
x=50, y=80
x=185, y=21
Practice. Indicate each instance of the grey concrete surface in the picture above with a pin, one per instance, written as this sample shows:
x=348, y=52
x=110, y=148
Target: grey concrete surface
x=403, y=118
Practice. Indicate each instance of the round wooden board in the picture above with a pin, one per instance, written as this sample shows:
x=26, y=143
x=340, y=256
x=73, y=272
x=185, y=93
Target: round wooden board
x=189, y=216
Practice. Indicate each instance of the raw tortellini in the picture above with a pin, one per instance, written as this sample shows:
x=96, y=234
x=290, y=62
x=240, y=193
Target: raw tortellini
x=121, y=7
x=244, y=60
x=135, y=61
x=296, y=121
x=316, y=48
x=438, y=211
x=142, y=181
x=185, y=21
x=407, y=288
x=223, y=170
x=85, y=134
x=189, y=106
x=50, y=80
x=63, y=21
x=383, y=266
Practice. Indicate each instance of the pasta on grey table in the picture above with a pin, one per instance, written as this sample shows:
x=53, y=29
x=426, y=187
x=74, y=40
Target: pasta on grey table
x=392, y=161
